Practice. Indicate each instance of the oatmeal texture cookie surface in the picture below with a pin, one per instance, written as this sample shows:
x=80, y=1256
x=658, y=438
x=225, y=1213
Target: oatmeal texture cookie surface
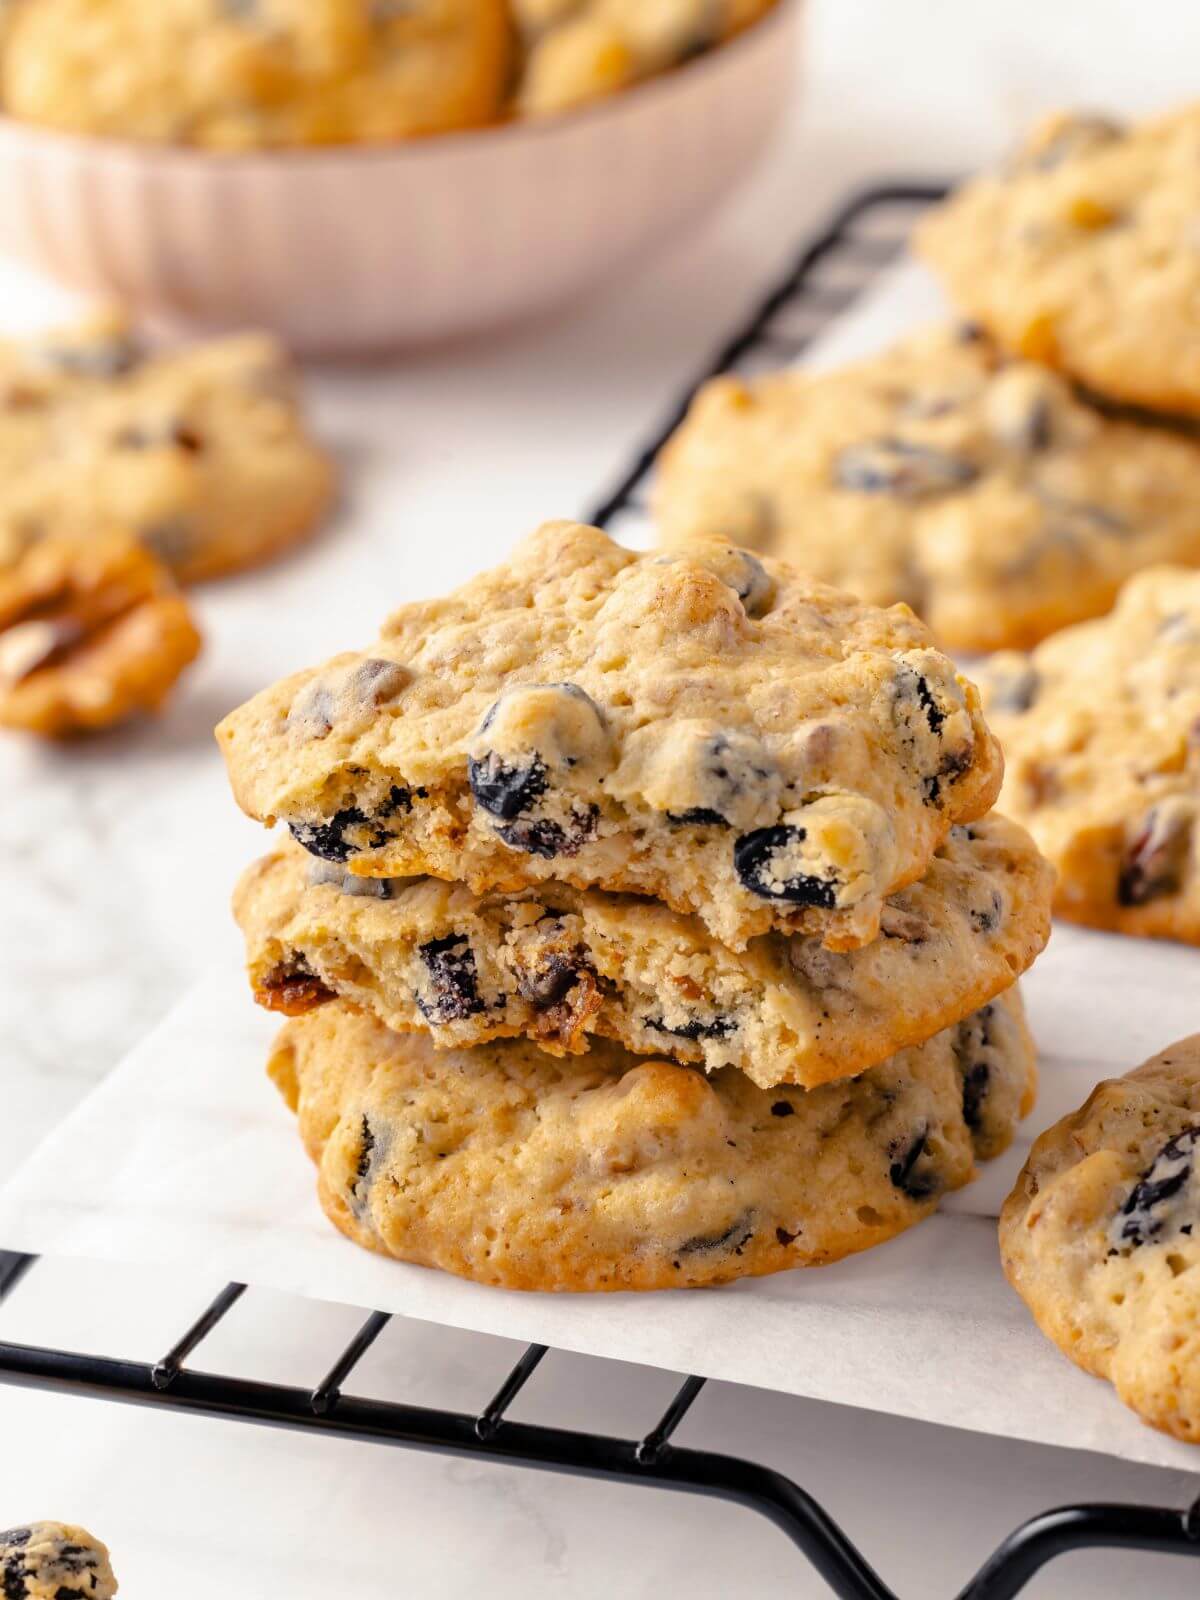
x=718, y=733
x=1101, y=1237
x=975, y=487
x=91, y=632
x=608, y=1171
x=1082, y=254
x=248, y=74
x=578, y=51
x=54, y=1561
x=202, y=453
x=564, y=966
x=1101, y=727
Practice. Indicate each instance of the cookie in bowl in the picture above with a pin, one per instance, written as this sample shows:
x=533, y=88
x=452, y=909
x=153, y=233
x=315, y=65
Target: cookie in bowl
x=258, y=74
x=579, y=51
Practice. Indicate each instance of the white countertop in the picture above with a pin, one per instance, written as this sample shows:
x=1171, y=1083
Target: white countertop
x=115, y=866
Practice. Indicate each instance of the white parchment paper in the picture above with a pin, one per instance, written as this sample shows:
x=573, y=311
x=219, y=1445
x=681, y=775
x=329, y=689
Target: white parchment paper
x=186, y=1155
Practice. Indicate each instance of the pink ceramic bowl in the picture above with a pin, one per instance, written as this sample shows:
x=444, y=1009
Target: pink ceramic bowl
x=362, y=249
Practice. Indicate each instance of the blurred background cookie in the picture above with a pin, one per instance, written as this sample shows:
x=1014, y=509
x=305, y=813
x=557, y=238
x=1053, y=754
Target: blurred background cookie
x=977, y=487
x=202, y=452
x=257, y=74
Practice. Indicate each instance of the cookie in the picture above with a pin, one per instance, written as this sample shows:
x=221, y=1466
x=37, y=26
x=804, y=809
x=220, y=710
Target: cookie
x=1101, y=728
x=91, y=632
x=1101, y=1236
x=203, y=453
x=582, y=50
x=609, y=1171
x=1082, y=254
x=254, y=74
x=975, y=487
x=563, y=966
x=718, y=733
x=53, y=1561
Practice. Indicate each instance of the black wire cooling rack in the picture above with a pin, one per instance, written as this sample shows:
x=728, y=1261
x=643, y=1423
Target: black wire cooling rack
x=829, y=273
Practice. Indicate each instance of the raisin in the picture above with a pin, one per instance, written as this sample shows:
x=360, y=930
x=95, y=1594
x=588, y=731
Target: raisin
x=365, y=1150
x=697, y=1027
x=547, y=838
x=506, y=791
x=783, y=1108
x=975, y=1088
x=738, y=1233
x=900, y=467
x=1013, y=688
x=453, y=980
x=328, y=839
x=293, y=990
x=987, y=919
x=783, y=1237
x=754, y=861
x=97, y=358
x=1166, y=1175
x=1154, y=863
x=551, y=981
x=697, y=816
x=903, y=1174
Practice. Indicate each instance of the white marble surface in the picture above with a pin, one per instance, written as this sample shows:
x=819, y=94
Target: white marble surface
x=113, y=899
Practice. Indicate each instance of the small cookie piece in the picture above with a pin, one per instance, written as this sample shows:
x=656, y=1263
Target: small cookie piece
x=610, y=1171
x=562, y=966
x=1101, y=727
x=202, y=452
x=54, y=1561
x=257, y=74
x=977, y=488
x=579, y=51
x=1082, y=254
x=717, y=733
x=1101, y=1237
x=91, y=632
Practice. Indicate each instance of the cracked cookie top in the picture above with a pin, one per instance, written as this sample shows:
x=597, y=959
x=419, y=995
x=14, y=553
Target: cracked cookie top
x=978, y=488
x=716, y=731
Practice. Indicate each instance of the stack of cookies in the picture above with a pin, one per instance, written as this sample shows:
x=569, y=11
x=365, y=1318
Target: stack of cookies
x=642, y=923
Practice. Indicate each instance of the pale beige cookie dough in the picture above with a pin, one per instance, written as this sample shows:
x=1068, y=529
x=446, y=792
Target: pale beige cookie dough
x=609, y=1171
x=1101, y=729
x=1082, y=254
x=92, y=632
x=975, y=487
x=1101, y=1237
x=248, y=74
x=203, y=453
x=563, y=966
x=54, y=1561
x=718, y=733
